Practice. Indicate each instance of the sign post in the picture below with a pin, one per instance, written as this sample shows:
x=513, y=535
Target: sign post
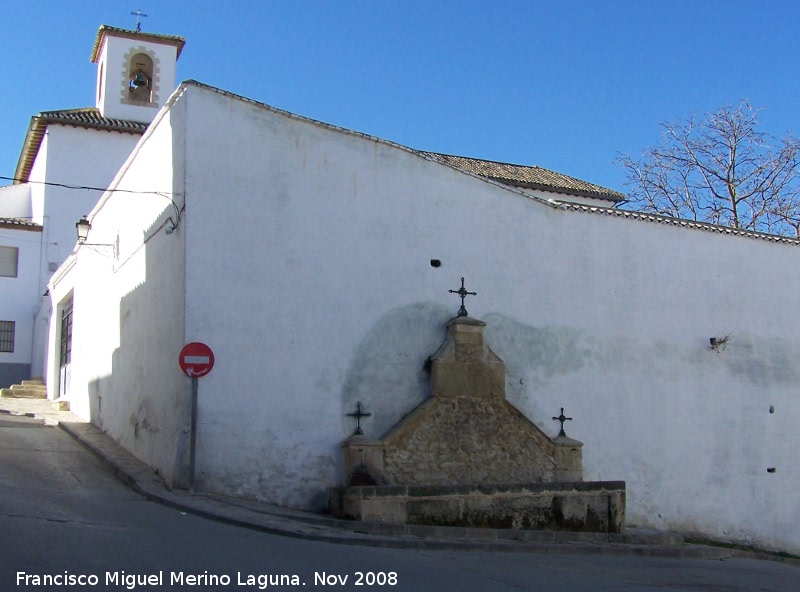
x=196, y=360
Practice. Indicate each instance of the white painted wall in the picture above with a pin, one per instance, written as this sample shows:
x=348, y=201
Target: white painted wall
x=37, y=178
x=15, y=201
x=17, y=298
x=128, y=310
x=71, y=156
x=76, y=157
x=308, y=272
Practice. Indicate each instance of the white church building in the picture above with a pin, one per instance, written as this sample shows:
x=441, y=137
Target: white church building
x=316, y=262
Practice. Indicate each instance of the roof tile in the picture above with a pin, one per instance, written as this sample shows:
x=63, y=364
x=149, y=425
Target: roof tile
x=680, y=222
x=88, y=117
x=531, y=177
x=19, y=223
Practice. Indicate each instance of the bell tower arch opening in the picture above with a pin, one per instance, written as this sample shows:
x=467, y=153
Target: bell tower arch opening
x=140, y=78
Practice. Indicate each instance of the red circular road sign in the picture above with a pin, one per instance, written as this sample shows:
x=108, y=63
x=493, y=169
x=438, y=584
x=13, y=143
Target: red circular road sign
x=196, y=359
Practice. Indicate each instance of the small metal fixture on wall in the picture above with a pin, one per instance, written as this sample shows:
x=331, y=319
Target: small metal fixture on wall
x=83, y=226
x=718, y=344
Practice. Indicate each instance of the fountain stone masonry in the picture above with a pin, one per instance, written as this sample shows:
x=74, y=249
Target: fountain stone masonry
x=468, y=457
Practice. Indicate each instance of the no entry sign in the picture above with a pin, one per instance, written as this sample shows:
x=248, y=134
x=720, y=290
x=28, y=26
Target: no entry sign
x=196, y=359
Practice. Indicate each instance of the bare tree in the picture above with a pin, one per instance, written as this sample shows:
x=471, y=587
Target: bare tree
x=722, y=170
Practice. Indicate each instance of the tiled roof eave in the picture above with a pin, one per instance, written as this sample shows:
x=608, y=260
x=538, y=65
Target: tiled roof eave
x=84, y=118
x=20, y=224
x=529, y=177
x=110, y=125
x=104, y=30
x=680, y=223
x=557, y=189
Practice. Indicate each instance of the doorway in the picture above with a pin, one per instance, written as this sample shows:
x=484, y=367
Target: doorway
x=65, y=351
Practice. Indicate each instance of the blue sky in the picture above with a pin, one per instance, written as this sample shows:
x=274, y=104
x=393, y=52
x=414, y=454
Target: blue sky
x=564, y=85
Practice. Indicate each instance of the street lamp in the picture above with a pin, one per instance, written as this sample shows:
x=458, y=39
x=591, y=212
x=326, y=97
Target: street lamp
x=83, y=226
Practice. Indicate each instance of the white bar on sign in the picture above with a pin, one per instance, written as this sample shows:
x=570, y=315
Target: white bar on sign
x=196, y=360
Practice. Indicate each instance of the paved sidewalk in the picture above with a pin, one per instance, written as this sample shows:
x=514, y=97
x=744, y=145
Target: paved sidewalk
x=308, y=525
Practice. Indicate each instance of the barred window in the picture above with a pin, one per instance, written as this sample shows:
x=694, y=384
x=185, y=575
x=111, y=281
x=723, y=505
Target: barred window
x=9, y=258
x=7, y=336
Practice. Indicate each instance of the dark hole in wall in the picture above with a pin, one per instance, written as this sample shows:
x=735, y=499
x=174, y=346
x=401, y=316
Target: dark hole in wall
x=361, y=476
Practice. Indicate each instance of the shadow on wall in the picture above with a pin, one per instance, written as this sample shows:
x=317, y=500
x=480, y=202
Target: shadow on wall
x=536, y=354
x=387, y=373
x=144, y=402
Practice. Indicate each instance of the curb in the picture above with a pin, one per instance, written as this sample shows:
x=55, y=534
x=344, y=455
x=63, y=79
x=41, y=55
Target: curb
x=318, y=527
x=143, y=480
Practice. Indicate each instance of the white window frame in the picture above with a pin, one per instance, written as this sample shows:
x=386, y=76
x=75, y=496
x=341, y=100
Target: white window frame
x=9, y=262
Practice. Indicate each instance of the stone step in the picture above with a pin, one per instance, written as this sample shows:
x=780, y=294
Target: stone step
x=35, y=388
x=34, y=383
x=60, y=405
x=32, y=387
x=19, y=392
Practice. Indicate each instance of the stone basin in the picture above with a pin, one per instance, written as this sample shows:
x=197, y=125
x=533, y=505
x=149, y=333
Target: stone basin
x=582, y=506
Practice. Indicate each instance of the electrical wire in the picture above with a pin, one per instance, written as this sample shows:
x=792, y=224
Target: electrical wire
x=165, y=194
x=90, y=188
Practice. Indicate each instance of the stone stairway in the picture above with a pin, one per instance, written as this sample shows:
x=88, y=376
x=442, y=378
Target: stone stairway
x=29, y=389
x=34, y=388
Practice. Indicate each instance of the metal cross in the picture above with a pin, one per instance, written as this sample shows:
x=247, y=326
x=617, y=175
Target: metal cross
x=138, y=14
x=462, y=312
x=562, y=418
x=358, y=415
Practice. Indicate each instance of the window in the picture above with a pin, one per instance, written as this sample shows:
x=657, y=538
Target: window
x=7, y=336
x=9, y=258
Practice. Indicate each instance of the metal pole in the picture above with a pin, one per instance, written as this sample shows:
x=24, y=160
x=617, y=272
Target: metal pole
x=193, y=434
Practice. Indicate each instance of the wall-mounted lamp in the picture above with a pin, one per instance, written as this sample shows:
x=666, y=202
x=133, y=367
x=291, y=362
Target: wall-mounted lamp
x=83, y=226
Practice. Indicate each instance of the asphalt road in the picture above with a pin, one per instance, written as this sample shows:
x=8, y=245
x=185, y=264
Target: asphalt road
x=67, y=524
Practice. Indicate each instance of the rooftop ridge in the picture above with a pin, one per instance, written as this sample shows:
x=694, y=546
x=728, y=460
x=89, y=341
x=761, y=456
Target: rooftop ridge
x=560, y=204
x=558, y=182
x=680, y=222
x=178, y=42
x=528, y=176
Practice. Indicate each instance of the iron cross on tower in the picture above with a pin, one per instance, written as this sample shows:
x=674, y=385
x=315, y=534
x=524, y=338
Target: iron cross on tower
x=462, y=312
x=138, y=14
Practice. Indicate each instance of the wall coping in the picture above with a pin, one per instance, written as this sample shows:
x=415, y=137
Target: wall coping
x=485, y=489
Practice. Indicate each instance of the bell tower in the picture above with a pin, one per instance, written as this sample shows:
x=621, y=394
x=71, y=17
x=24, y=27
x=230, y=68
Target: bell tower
x=135, y=72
